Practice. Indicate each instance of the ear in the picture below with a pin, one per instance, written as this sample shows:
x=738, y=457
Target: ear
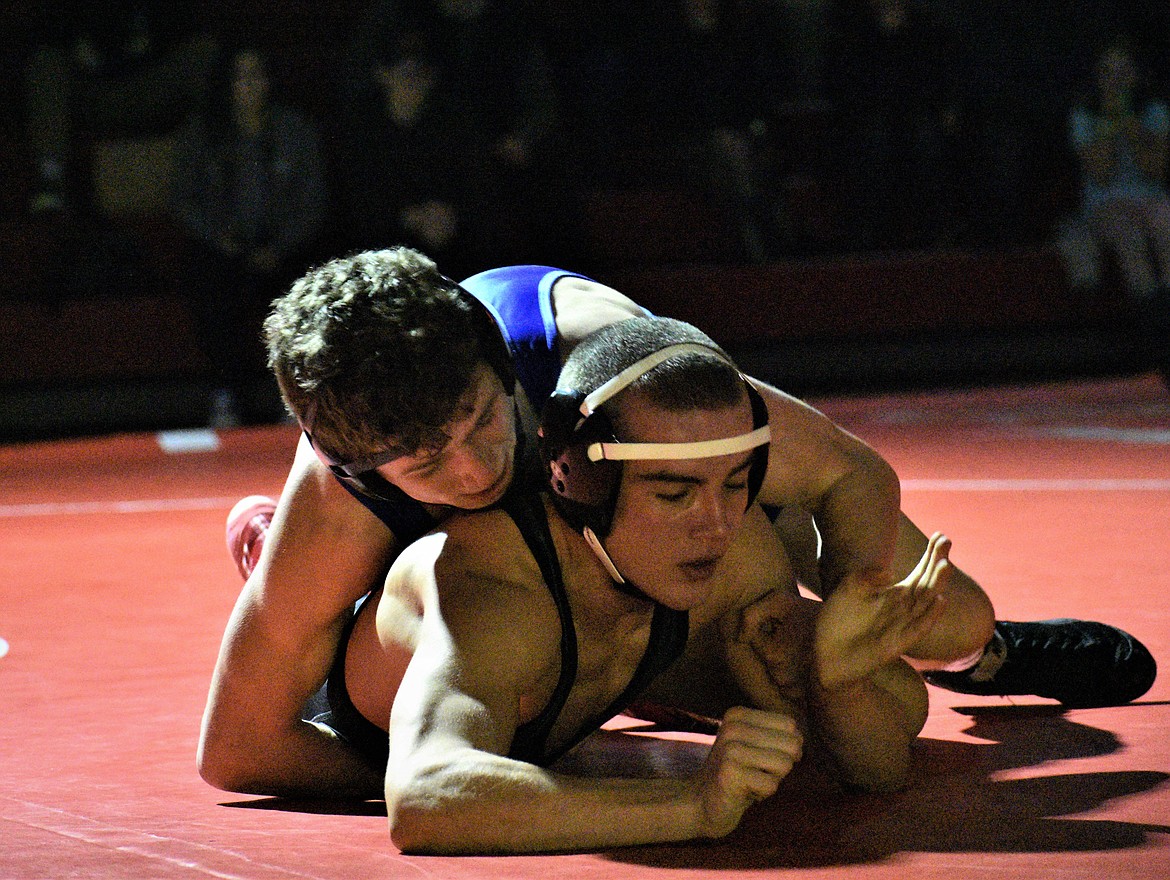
x=558, y=421
x=583, y=490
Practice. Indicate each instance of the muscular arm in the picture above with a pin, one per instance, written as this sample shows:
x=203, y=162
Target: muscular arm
x=840, y=659
x=322, y=553
x=581, y=306
x=851, y=491
x=484, y=651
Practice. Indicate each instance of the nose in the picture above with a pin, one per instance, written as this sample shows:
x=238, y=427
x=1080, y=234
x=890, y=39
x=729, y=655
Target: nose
x=716, y=516
x=478, y=466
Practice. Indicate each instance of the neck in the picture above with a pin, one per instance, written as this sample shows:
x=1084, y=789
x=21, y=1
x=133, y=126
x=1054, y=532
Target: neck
x=620, y=583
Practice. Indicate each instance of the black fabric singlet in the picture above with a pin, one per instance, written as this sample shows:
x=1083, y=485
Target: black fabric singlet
x=668, y=638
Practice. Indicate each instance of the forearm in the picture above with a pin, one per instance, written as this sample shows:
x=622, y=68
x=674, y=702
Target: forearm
x=868, y=727
x=480, y=803
x=253, y=739
x=298, y=759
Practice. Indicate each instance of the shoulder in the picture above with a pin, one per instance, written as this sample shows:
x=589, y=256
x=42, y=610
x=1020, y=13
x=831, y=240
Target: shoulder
x=581, y=306
x=481, y=586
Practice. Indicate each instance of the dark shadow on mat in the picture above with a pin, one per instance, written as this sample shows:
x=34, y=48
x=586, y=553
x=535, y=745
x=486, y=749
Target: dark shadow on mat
x=957, y=802
x=322, y=807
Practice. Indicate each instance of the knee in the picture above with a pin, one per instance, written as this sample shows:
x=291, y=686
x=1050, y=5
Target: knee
x=971, y=616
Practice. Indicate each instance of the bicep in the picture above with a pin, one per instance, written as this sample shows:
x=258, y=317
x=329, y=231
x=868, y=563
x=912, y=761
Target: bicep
x=809, y=453
x=442, y=705
x=484, y=645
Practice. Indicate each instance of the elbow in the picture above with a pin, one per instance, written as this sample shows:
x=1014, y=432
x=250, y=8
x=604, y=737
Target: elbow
x=426, y=817
x=222, y=768
x=219, y=773
x=421, y=829
x=413, y=832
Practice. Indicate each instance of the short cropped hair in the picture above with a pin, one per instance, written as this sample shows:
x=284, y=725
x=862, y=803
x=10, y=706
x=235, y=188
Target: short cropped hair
x=374, y=351
x=687, y=381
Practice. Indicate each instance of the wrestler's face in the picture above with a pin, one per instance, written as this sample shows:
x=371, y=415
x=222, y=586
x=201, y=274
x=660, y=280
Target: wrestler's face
x=475, y=466
x=675, y=520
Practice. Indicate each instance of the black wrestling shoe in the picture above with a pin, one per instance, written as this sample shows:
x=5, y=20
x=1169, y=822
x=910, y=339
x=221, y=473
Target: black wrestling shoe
x=1078, y=662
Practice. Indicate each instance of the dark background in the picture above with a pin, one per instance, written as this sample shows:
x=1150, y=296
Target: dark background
x=95, y=335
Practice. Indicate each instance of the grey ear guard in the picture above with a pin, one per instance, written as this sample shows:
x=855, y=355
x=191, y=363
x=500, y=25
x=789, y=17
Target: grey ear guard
x=583, y=457
x=361, y=474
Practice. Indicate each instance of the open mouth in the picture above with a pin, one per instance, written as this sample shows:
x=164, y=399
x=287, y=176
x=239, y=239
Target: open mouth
x=701, y=569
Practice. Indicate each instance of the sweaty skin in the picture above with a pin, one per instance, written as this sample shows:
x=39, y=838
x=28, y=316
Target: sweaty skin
x=485, y=640
x=325, y=550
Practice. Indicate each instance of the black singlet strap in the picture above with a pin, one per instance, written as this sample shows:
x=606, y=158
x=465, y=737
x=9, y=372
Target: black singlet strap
x=527, y=511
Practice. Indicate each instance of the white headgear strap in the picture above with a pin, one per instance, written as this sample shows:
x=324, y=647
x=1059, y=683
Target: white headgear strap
x=663, y=451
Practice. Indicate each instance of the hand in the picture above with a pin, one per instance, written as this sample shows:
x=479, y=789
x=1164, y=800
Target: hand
x=753, y=751
x=865, y=624
x=777, y=632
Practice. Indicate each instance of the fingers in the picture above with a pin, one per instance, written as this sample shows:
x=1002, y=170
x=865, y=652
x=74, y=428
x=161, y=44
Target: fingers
x=938, y=550
x=752, y=753
x=931, y=564
x=767, y=615
x=760, y=746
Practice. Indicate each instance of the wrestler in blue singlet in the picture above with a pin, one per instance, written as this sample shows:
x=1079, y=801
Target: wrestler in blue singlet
x=520, y=299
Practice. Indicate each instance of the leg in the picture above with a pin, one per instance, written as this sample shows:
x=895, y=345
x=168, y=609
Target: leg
x=1079, y=663
x=1118, y=224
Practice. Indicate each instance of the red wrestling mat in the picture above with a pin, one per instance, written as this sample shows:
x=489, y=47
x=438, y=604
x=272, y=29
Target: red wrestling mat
x=115, y=587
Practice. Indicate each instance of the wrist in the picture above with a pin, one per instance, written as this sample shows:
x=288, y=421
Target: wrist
x=827, y=682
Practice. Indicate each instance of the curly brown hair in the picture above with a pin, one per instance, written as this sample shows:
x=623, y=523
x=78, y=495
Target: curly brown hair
x=374, y=351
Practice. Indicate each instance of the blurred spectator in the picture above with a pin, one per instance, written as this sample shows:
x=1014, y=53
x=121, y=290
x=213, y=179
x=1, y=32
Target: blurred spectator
x=1023, y=65
x=890, y=74
x=458, y=98
x=590, y=50
x=1120, y=133
x=406, y=154
x=106, y=69
x=250, y=195
x=704, y=85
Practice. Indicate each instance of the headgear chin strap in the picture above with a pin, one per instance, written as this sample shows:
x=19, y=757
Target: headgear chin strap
x=583, y=457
